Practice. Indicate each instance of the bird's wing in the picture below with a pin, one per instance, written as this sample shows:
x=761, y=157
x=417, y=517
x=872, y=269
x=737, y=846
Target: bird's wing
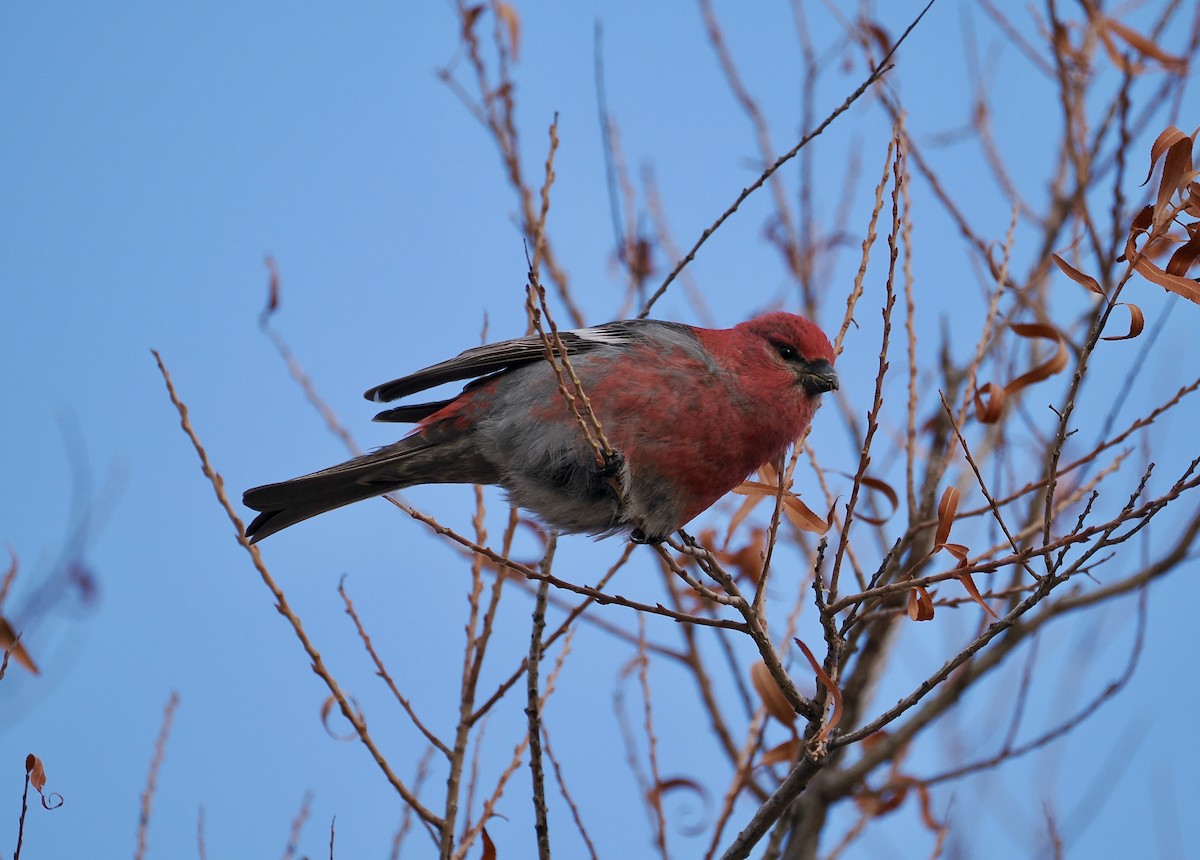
x=505, y=355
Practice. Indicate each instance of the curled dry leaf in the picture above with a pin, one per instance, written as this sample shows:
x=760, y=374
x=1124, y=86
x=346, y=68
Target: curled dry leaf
x=11, y=644
x=947, y=508
x=772, y=697
x=888, y=492
x=835, y=695
x=920, y=604
x=1137, y=320
x=1177, y=174
x=35, y=772
x=740, y=515
x=1185, y=257
x=1108, y=28
x=877, y=34
x=746, y=561
x=990, y=398
x=802, y=517
x=1086, y=281
x=512, y=24
x=797, y=513
x=927, y=808
x=1145, y=266
x=969, y=584
x=784, y=753
x=326, y=712
x=681, y=783
x=489, y=847
x=1167, y=138
x=1154, y=222
x=958, y=550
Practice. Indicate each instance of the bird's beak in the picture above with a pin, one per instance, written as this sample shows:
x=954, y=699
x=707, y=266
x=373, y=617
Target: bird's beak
x=819, y=377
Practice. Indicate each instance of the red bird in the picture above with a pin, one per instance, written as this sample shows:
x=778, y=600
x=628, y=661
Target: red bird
x=689, y=411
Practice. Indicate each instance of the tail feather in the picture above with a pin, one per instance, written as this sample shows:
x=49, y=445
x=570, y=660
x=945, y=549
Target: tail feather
x=414, y=460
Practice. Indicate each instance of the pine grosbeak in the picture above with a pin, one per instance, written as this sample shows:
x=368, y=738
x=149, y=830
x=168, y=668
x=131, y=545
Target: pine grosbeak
x=689, y=411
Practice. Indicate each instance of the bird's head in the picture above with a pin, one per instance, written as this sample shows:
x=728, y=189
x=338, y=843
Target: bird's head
x=799, y=347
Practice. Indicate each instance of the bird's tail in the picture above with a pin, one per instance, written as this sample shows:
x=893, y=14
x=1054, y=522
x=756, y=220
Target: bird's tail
x=415, y=460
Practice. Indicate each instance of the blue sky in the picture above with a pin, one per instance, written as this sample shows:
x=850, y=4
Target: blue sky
x=154, y=153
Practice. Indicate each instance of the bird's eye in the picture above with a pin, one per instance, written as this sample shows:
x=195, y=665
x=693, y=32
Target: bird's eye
x=786, y=352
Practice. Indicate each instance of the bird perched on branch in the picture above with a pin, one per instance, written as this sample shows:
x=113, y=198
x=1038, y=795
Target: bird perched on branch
x=687, y=414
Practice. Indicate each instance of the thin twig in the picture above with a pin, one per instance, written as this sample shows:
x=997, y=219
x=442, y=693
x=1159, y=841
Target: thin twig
x=160, y=753
x=880, y=69
x=532, y=711
x=284, y=608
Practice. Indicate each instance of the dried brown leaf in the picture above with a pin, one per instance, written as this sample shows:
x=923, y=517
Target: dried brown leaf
x=835, y=695
x=990, y=399
x=512, y=23
x=989, y=402
x=798, y=513
x=36, y=771
x=957, y=550
x=1177, y=174
x=920, y=604
x=803, y=517
x=489, y=847
x=12, y=644
x=1046, y=369
x=1077, y=276
x=888, y=492
x=1169, y=137
x=880, y=802
x=772, y=697
x=755, y=489
x=746, y=560
x=785, y=753
x=326, y=713
x=1119, y=59
x=1137, y=322
x=927, y=809
x=969, y=585
x=1189, y=288
x=877, y=34
x=1144, y=46
x=1142, y=223
x=1184, y=257
x=682, y=783
x=947, y=508
x=739, y=516
x=1191, y=200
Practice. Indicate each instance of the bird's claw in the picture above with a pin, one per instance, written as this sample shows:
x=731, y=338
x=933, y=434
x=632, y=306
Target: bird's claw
x=614, y=462
x=639, y=536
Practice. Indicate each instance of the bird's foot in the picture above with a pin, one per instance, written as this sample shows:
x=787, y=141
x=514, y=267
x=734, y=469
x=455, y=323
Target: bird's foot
x=639, y=536
x=614, y=462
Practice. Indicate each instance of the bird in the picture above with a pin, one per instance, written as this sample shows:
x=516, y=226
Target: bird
x=688, y=413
